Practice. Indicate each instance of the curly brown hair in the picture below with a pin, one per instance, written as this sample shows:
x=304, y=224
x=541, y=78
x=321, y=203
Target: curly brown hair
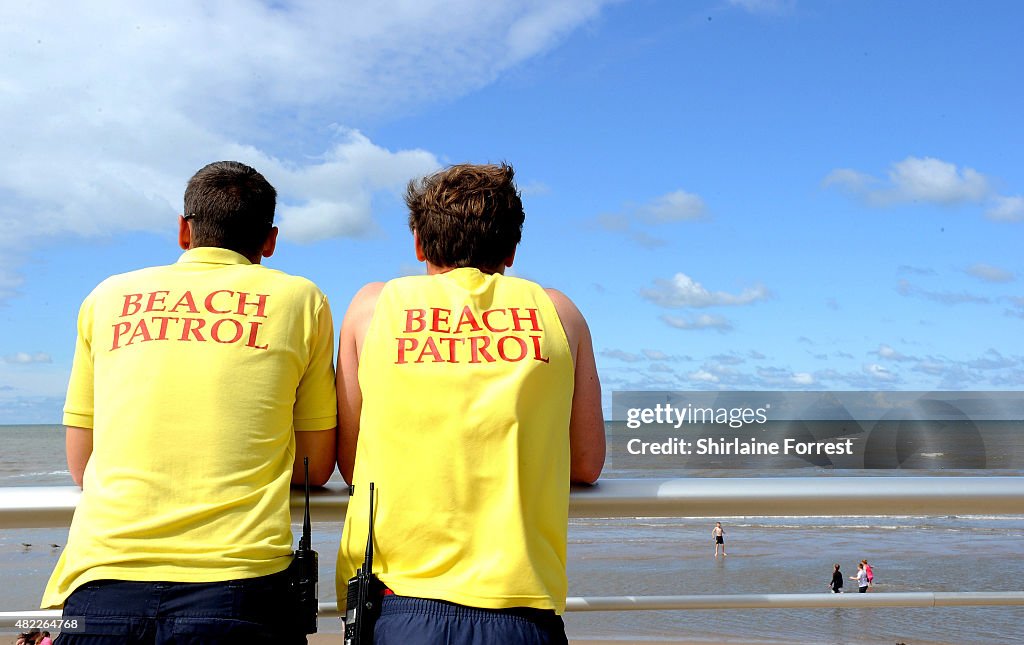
x=467, y=215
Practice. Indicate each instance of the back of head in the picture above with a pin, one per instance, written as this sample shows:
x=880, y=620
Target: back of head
x=467, y=215
x=231, y=206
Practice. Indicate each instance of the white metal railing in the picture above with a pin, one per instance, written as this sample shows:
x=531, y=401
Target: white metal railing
x=53, y=506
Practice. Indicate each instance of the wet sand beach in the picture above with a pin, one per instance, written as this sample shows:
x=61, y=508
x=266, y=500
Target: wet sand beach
x=674, y=556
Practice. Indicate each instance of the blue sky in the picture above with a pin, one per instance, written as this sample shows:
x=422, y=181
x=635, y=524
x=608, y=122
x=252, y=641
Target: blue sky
x=738, y=194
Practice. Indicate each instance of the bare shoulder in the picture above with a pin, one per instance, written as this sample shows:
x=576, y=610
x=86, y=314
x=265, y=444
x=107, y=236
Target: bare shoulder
x=565, y=307
x=365, y=300
x=358, y=316
x=369, y=290
x=573, y=322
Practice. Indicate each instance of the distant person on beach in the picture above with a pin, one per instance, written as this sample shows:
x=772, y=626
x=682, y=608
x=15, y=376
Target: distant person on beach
x=475, y=400
x=837, y=580
x=45, y=640
x=869, y=573
x=861, y=578
x=197, y=388
x=719, y=534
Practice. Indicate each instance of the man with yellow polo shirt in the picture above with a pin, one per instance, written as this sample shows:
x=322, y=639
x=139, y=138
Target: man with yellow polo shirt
x=196, y=390
x=470, y=399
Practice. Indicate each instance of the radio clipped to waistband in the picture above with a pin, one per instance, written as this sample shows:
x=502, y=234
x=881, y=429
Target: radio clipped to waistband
x=364, y=594
x=303, y=575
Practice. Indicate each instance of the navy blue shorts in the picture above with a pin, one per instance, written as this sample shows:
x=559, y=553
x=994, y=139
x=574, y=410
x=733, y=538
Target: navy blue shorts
x=416, y=621
x=250, y=611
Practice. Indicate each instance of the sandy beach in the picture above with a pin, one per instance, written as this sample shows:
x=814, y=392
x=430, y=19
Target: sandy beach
x=672, y=556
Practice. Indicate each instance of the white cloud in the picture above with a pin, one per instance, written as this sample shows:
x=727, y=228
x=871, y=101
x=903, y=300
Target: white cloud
x=32, y=388
x=727, y=359
x=888, y=353
x=993, y=360
x=932, y=367
x=614, y=222
x=25, y=409
x=343, y=184
x=543, y=25
x=780, y=377
x=25, y=358
x=534, y=189
x=1016, y=307
x=677, y=206
x=990, y=370
x=703, y=321
x=802, y=378
x=117, y=103
x=1007, y=209
x=702, y=376
x=880, y=373
x=989, y=273
x=9, y=278
x=850, y=180
x=621, y=355
x=684, y=291
x=646, y=240
x=920, y=179
x=933, y=180
x=764, y=6
x=912, y=270
x=674, y=207
x=907, y=288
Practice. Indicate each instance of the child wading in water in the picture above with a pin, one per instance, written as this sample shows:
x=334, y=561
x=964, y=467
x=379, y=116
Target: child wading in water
x=869, y=573
x=719, y=536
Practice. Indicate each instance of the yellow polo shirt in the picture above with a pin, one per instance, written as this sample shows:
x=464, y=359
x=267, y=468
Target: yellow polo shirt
x=193, y=378
x=467, y=384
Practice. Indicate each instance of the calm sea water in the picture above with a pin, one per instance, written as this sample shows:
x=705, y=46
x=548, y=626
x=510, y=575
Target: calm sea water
x=670, y=556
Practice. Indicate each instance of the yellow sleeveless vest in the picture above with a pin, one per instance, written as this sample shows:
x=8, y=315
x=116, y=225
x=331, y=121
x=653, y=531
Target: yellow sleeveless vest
x=467, y=383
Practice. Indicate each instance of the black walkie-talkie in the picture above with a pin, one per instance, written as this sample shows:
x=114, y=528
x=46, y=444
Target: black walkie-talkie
x=364, y=594
x=304, y=577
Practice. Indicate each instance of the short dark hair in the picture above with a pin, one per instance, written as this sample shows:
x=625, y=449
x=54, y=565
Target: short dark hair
x=467, y=215
x=230, y=206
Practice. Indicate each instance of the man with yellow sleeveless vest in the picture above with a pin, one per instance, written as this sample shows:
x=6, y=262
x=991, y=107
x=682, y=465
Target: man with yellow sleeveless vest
x=196, y=390
x=470, y=399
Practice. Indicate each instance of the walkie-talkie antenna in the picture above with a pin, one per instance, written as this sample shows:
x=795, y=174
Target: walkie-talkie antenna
x=304, y=541
x=364, y=595
x=368, y=561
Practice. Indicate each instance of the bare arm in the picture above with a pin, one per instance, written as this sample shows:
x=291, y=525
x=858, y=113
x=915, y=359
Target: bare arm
x=586, y=425
x=350, y=397
x=319, y=446
x=78, y=445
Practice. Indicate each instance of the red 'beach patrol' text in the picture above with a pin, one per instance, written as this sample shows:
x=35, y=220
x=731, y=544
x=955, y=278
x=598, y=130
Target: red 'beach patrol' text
x=438, y=335
x=189, y=317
